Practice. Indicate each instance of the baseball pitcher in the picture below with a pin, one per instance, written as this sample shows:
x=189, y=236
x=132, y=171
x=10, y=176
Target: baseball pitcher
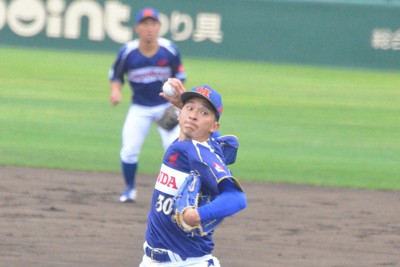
x=194, y=190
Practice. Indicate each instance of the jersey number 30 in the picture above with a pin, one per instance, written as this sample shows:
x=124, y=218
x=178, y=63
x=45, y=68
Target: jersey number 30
x=165, y=204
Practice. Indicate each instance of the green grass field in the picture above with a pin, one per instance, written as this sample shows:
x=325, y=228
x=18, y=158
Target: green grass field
x=295, y=124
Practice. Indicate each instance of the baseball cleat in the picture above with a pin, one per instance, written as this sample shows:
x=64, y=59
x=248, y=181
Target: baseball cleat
x=128, y=195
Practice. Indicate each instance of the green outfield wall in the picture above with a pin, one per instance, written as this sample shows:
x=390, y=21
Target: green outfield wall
x=352, y=33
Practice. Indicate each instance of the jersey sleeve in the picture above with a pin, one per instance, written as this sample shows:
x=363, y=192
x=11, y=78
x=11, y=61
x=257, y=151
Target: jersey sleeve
x=211, y=168
x=229, y=147
x=230, y=201
x=117, y=70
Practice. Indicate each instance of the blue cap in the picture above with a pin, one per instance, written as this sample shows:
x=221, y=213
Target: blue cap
x=207, y=93
x=145, y=13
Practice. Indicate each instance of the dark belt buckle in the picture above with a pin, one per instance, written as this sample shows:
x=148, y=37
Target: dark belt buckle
x=155, y=251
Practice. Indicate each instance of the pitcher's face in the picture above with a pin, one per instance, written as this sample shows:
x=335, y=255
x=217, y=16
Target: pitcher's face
x=197, y=120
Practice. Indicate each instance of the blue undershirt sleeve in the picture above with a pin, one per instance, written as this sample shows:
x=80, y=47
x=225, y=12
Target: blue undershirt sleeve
x=230, y=201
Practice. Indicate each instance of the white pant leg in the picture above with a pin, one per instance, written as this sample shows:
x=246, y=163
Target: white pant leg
x=167, y=137
x=136, y=127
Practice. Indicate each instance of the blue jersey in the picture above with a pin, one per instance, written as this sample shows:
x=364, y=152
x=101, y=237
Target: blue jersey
x=180, y=158
x=147, y=75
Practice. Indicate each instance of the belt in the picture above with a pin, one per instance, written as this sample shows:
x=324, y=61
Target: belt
x=157, y=255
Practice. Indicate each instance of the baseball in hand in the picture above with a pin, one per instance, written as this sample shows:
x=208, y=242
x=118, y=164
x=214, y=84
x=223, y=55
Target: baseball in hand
x=168, y=89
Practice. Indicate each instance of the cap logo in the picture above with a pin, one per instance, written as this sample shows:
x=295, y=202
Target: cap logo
x=147, y=13
x=204, y=91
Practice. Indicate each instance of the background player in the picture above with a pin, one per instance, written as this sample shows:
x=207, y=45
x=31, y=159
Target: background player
x=167, y=244
x=147, y=63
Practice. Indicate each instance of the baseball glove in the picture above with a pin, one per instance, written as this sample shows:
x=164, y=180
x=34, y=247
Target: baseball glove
x=169, y=119
x=190, y=196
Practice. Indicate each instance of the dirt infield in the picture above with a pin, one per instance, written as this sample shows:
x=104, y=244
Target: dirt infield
x=69, y=218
